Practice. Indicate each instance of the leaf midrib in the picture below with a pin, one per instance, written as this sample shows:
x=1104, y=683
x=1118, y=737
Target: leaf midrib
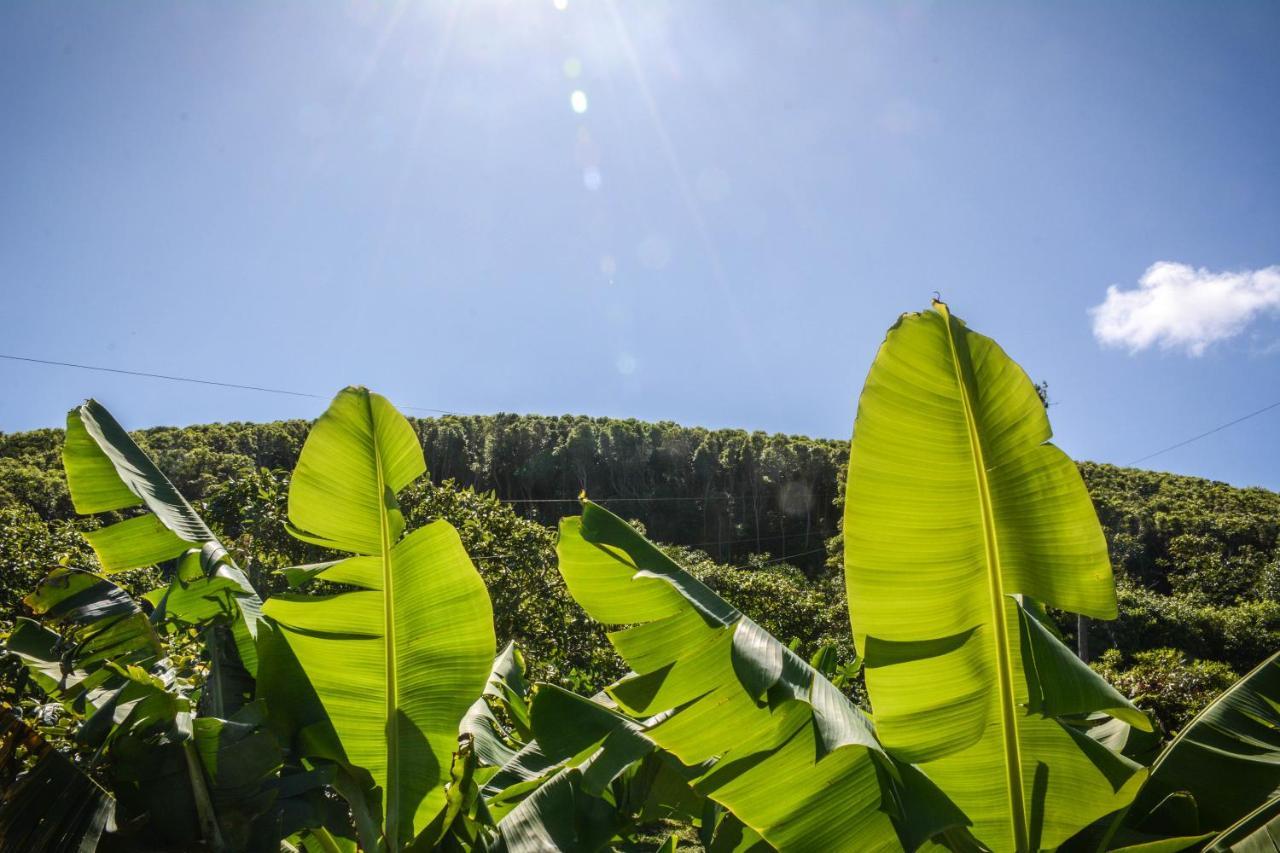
x=389, y=645
x=995, y=587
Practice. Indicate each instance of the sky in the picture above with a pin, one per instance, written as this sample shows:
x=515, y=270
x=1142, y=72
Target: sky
x=704, y=212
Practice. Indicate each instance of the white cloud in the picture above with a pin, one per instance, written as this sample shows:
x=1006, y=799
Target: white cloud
x=1177, y=306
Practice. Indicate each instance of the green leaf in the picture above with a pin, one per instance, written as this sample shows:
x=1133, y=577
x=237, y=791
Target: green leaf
x=1162, y=845
x=544, y=820
x=785, y=751
x=51, y=804
x=320, y=840
x=561, y=814
x=106, y=470
x=505, y=686
x=507, y=674
x=96, y=663
x=1060, y=684
x=358, y=456
x=1227, y=758
x=1256, y=832
x=956, y=504
x=732, y=836
x=242, y=763
x=134, y=543
x=608, y=774
x=585, y=734
x=99, y=619
x=192, y=597
x=105, y=664
x=396, y=664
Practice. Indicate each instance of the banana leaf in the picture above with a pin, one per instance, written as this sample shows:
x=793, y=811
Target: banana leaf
x=602, y=777
x=176, y=778
x=961, y=521
x=397, y=663
x=107, y=471
x=784, y=750
x=102, y=659
x=46, y=802
x=1256, y=832
x=1222, y=766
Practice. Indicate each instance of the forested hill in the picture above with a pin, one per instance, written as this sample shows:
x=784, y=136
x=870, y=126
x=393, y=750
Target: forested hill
x=1197, y=562
x=729, y=492
x=732, y=492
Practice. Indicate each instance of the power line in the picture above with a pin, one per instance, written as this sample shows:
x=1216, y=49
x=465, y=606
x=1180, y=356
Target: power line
x=769, y=562
x=781, y=559
x=738, y=541
x=194, y=381
x=291, y=393
x=1263, y=410
x=607, y=500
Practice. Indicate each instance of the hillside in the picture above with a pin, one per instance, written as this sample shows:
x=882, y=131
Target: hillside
x=1197, y=562
x=733, y=491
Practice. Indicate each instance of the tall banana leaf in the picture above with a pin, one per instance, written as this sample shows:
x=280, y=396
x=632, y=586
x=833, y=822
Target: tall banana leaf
x=958, y=513
x=397, y=663
x=786, y=752
x=1222, y=766
x=106, y=470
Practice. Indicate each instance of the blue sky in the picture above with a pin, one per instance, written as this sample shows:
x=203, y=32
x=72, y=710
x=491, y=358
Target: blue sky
x=716, y=231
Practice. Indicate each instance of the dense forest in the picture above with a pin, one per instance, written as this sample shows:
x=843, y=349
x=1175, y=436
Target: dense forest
x=755, y=515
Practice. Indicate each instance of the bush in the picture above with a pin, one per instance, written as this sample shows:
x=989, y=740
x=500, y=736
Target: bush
x=1240, y=635
x=1165, y=683
x=29, y=549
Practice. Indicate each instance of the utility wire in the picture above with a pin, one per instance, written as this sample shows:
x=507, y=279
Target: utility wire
x=290, y=393
x=1263, y=410
x=307, y=394
x=737, y=541
x=785, y=557
x=781, y=559
x=608, y=500
x=193, y=381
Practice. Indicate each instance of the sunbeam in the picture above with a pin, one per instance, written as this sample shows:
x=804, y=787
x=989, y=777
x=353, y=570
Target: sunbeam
x=687, y=197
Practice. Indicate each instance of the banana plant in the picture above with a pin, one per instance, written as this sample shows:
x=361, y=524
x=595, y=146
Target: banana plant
x=1218, y=781
x=961, y=523
x=207, y=777
x=397, y=662
x=175, y=778
x=777, y=744
x=589, y=778
x=565, y=772
x=106, y=472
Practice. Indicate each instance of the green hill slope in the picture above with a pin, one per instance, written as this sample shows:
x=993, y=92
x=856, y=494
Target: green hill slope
x=1197, y=562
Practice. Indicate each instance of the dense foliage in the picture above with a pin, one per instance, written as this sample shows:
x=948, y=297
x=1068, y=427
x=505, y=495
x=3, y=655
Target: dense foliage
x=305, y=659
x=1197, y=563
x=732, y=492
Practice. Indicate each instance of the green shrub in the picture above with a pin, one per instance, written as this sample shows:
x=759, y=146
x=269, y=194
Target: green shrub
x=29, y=549
x=1166, y=683
x=1240, y=635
